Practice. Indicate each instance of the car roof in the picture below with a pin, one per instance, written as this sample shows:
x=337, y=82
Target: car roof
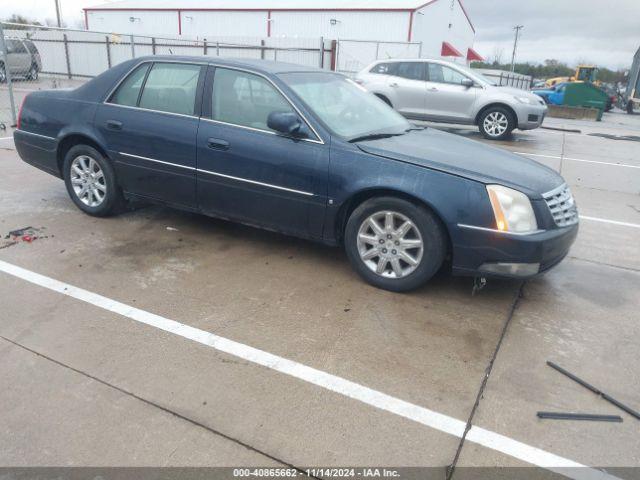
x=266, y=66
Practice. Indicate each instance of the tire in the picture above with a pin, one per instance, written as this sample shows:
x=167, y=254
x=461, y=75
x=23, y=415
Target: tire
x=630, y=107
x=366, y=253
x=3, y=73
x=33, y=72
x=102, y=195
x=496, y=123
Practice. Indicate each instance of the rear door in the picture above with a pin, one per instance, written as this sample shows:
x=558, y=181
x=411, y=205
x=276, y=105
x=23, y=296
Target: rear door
x=446, y=98
x=409, y=84
x=150, y=124
x=18, y=57
x=250, y=173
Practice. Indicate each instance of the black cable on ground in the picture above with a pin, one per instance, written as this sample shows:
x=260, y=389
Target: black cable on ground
x=514, y=304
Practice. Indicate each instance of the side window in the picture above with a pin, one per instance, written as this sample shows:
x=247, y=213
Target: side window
x=171, y=87
x=30, y=46
x=245, y=99
x=129, y=90
x=442, y=74
x=384, y=68
x=11, y=46
x=411, y=70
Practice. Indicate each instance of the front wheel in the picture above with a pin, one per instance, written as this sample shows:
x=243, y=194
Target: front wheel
x=91, y=182
x=394, y=244
x=496, y=123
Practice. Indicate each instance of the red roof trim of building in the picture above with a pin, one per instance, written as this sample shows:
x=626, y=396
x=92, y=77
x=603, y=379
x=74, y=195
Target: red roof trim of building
x=410, y=25
x=473, y=55
x=461, y=6
x=449, y=50
x=105, y=9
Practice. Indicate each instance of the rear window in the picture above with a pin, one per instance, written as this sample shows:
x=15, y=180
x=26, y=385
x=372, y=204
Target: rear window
x=31, y=47
x=129, y=90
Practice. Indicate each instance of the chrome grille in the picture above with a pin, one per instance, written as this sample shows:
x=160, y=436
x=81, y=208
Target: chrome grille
x=562, y=206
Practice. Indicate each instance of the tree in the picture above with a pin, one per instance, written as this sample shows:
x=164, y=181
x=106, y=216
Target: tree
x=15, y=18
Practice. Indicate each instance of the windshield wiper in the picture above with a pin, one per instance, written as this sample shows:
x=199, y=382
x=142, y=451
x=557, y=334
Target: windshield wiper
x=374, y=136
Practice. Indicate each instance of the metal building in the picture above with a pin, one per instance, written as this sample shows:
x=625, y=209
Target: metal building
x=441, y=27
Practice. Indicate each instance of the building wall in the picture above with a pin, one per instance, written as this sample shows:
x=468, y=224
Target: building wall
x=362, y=25
x=145, y=22
x=431, y=27
x=201, y=24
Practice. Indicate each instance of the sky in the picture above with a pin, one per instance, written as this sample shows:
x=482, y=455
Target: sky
x=606, y=33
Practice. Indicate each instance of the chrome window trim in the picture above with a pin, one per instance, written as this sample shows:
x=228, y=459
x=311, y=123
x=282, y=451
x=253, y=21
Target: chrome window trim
x=239, y=179
x=502, y=232
x=297, y=110
x=36, y=134
x=151, y=110
x=158, y=161
x=112, y=91
x=270, y=132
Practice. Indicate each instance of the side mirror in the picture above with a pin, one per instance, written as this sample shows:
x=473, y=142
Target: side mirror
x=467, y=82
x=286, y=123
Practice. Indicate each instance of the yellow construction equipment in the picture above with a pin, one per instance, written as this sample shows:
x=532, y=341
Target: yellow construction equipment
x=584, y=73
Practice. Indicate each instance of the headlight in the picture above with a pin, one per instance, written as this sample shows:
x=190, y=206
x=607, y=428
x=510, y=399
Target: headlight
x=527, y=100
x=512, y=209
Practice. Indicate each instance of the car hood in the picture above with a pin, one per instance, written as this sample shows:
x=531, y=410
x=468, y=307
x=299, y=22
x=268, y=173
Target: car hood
x=460, y=156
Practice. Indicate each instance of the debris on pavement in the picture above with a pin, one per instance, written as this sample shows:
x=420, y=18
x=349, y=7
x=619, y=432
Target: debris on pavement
x=595, y=390
x=25, y=234
x=580, y=416
x=172, y=229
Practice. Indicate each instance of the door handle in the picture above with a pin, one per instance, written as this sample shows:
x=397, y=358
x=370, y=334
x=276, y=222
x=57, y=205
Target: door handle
x=394, y=85
x=114, y=125
x=217, y=144
x=433, y=89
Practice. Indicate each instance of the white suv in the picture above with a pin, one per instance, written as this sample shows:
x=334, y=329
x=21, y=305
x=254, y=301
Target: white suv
x=441, y=91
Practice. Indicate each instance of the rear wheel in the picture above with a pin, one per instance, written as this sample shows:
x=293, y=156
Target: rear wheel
x=3, y=73
x=394, y=244
x=496, y=123
x=91, y=182
x=384, y=99
x=33, y=72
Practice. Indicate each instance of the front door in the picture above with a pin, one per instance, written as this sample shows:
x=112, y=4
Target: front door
x=150, y=125
x=248, y=172
x=446, y=98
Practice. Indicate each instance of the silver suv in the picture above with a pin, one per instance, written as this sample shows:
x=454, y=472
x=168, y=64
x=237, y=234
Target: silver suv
x=23, y=59
x=441, y=91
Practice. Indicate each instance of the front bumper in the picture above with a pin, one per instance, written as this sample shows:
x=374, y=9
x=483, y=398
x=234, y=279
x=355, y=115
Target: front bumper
x=530, y=116
x=474, y=248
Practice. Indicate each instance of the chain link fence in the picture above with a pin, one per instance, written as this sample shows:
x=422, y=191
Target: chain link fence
x=35, y=57
x=38, y=57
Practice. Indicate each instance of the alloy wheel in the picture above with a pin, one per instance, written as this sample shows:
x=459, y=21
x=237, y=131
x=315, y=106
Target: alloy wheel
x=495, y=124
x=390, y=244
x=87, y=180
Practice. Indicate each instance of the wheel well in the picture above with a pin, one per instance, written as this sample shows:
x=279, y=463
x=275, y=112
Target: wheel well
x=72, y=140
x=491, y=105
x=356, y=200
x=384, y=99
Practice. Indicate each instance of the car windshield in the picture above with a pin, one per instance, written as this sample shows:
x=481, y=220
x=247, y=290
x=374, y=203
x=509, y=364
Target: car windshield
x=347, y=109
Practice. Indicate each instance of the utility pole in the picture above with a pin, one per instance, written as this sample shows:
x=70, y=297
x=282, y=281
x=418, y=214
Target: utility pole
x=58, y=13
x=517, y=28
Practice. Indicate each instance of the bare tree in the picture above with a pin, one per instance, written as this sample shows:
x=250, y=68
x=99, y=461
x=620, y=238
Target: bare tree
x=498, y=53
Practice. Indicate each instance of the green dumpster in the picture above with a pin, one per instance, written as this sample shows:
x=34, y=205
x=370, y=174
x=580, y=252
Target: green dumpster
x=585, y=95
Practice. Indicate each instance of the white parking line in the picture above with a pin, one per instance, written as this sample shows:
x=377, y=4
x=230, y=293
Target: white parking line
x=322, y=379
x=612, y=222
x=576, y=159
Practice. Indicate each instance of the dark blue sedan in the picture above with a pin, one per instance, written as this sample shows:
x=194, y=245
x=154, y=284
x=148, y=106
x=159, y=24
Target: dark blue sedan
x=304, y=152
